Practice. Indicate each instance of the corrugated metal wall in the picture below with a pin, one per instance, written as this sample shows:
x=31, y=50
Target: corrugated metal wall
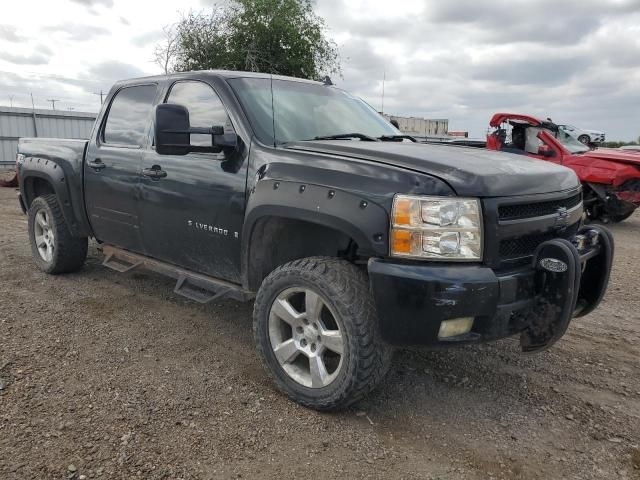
x=24, y=122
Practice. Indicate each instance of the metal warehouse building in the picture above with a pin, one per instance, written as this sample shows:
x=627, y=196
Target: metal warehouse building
x=25, y=122
x=421, y=127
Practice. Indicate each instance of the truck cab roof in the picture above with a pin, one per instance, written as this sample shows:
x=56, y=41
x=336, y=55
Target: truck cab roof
x=226, y=74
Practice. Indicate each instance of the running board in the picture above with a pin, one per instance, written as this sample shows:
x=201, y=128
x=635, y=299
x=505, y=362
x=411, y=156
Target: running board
x=194, y=286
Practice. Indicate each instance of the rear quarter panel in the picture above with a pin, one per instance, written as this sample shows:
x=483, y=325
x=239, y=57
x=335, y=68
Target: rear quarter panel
x=58, y=162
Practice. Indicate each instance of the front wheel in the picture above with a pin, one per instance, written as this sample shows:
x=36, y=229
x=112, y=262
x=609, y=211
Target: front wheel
x=53, y=247
x=316, y=330
x=584, y=139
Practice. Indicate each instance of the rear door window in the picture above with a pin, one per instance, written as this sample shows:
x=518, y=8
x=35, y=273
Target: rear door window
x=129, y=116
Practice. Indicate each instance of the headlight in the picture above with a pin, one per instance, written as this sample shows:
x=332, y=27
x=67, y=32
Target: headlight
x=439, y=228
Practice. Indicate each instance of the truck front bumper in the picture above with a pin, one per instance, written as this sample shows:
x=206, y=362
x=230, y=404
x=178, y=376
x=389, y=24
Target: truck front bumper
x=566, y=279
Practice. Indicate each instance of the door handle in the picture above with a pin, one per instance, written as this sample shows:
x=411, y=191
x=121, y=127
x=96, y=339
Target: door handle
x=96, y=164
x=155, y=172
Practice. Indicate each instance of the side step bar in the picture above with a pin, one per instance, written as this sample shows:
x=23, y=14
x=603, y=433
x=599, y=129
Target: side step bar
x=195, y=286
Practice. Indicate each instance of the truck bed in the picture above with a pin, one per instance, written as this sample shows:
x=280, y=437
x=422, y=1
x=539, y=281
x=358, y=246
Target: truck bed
x=70, y=153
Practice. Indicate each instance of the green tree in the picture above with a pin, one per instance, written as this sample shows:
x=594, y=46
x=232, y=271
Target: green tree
x=282, y=37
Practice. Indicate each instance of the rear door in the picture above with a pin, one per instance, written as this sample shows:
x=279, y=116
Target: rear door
x=193, y=215
x=113, y=164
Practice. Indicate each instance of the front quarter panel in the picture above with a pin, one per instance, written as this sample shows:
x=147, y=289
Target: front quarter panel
x=606, y=172
x=349, y=195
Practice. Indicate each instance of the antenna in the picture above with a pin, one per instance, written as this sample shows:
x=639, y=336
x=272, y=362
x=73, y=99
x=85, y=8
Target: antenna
x=53, y=102
x=101, y=94
x=11, y=100
x=33, y=105
x=384, y=78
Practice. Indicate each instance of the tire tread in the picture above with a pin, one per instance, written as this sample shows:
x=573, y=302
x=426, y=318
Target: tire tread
x=352, y=295
x=71, y=252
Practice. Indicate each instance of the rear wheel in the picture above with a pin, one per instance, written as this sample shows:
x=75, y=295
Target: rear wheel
x=584, y=139
x=315, y=327
x=53, y=247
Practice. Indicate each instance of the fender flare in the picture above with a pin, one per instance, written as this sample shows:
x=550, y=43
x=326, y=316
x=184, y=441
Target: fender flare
x=366, y=222
x=54, y=175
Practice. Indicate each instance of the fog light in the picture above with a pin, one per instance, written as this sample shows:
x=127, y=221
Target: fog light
x=455, y=327
x=580, y=242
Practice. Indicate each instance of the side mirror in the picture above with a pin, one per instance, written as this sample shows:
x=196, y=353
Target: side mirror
x=173, y=133
x=546, y=151
x=225, y=140
x=172, y=129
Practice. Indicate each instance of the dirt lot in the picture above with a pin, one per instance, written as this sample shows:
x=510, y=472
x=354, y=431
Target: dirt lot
x=104, y=375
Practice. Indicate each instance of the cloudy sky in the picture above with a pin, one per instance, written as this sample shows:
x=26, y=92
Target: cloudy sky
x=577, y=61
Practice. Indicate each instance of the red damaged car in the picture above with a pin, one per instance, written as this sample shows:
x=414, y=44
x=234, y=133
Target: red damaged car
x=610, y=177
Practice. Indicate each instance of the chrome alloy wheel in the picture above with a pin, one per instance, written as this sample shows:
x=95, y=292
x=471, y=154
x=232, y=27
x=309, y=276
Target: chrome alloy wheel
x=306, y=337
x=44, y=236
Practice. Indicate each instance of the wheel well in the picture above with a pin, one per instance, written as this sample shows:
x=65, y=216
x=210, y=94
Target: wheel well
x=277, y=240
x=36, y=187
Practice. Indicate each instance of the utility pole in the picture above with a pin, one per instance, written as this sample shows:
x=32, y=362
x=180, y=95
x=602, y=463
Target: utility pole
x=101, y=95
x=33, y=113
x=11, y=100
x=53, y=102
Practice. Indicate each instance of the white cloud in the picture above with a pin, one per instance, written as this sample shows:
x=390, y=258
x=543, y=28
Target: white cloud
x=577, y=61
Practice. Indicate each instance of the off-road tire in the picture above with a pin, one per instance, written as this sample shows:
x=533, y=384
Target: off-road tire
x=346, y=291
x=70, y=252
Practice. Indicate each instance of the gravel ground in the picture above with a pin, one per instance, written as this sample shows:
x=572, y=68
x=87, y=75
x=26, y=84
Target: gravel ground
x=104, y=375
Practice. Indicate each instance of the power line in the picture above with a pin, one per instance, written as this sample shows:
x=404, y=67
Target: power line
x=77, y=102
x=53, y=102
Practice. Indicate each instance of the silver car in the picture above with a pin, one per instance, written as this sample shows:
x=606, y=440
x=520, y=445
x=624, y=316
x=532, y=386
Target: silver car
x=585, y=136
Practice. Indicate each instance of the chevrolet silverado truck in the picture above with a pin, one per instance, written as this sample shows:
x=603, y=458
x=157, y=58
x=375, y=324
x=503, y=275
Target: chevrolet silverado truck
x=610, y=177
x=350, y=238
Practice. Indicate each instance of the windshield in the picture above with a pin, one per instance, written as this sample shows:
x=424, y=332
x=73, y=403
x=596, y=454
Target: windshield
x=301, y=111
x=570, y=143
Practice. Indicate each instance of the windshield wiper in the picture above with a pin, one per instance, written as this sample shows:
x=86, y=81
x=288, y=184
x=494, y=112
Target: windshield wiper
x=396, y=138
x=341, y=136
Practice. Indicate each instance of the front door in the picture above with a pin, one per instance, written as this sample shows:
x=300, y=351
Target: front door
x=112, y=168
x=543, y=141
x=192, y=215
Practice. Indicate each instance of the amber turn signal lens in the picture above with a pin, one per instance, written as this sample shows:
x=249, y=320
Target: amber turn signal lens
x=400, y=241
x=402, y=212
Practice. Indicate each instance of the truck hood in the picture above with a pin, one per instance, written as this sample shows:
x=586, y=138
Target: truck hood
x=614, y=155
x=469, y=171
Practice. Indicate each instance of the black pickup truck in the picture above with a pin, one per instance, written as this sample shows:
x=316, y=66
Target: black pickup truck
x=351, y=238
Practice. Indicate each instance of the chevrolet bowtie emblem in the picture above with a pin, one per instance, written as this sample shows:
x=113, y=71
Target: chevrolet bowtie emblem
x=562, y=218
